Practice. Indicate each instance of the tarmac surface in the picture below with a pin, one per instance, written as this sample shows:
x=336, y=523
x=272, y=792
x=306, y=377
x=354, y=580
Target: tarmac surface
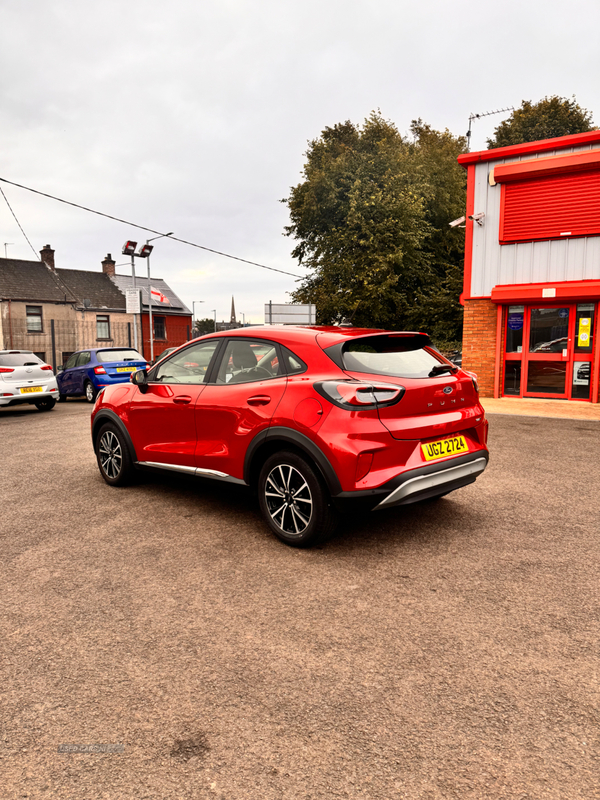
x=445, y=650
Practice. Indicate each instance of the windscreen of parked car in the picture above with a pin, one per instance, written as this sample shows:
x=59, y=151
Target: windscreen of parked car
x=19, y=360
x=104, y=356
x=396, y=356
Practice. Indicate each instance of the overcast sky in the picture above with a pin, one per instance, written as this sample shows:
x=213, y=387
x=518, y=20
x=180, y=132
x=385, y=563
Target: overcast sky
x=194, y=116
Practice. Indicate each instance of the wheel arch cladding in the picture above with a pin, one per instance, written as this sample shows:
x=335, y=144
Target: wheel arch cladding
x=275, y=439
x=105, y=416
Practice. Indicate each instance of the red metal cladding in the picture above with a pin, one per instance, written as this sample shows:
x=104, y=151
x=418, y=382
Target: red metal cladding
x=555, y=207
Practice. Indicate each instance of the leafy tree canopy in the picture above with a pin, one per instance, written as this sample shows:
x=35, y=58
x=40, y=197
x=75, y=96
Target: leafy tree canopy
x=202, y=326
x=552, y=116
x=371, y=223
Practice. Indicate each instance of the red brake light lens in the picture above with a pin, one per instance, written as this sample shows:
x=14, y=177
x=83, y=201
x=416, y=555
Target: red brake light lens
x=6, y=369
x=99, y=370
x=355, y=395
x=47, y=366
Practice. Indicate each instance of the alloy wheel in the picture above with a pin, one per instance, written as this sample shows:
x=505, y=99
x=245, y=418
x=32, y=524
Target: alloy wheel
x=288, y=499
x=110, y=454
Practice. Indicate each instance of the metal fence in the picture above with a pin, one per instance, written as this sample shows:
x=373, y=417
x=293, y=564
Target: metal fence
x=60, y=338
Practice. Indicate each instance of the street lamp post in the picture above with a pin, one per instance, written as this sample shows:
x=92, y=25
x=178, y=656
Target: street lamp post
x=162, y=236
x=194, y=306
x=215, y=313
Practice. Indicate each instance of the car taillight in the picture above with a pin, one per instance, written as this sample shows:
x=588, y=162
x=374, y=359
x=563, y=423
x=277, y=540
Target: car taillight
x=99, y=370
x=355, y=395
x=473, y=377
x=6, y=369
x=47, y=366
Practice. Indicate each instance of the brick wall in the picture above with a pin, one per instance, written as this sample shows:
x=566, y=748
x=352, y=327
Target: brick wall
x=479, y=342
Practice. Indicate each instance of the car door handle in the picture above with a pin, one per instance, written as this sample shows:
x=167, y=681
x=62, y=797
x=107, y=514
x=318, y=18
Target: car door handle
x=182, y=399
x=259, y=400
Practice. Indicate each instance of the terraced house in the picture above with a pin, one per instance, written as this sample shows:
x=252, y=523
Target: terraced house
x=55, y=312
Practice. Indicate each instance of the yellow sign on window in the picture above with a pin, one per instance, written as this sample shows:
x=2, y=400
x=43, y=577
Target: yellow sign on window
x=585, y=326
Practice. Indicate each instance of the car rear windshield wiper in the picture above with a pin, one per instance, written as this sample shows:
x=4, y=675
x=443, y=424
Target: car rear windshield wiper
x=439, y=370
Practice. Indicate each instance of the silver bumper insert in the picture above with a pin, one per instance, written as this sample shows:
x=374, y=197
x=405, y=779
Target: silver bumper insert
x=433, y=480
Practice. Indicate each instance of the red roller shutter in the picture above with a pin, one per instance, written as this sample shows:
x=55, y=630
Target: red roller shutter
x=552, y=207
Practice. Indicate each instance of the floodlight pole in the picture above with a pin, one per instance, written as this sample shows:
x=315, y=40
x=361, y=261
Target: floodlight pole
x=215, y=312
x=135, y=341
x=162, y=236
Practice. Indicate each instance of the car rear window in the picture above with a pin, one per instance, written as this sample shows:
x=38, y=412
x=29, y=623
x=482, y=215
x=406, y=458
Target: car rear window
x=104, y=356
x=19, y=359
x=396, y=356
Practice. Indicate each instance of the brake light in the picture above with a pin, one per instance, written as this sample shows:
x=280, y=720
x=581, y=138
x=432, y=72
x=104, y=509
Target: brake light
x=6, y=369
x=47, y=366
x=355, y=395
x=99, y=370
x=473, y=377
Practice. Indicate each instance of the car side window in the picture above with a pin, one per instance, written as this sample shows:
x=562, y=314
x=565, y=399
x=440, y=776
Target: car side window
x=72, y=361
x=84, y=358
x=247, y=360
x=187, y=366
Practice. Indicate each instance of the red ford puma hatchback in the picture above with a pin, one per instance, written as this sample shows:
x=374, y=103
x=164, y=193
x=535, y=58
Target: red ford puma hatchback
x=315, y=419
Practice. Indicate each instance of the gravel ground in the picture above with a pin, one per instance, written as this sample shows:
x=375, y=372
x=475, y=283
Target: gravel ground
x=444, y=650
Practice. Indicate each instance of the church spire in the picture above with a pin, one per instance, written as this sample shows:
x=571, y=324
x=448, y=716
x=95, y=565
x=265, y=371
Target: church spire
x=233, y=319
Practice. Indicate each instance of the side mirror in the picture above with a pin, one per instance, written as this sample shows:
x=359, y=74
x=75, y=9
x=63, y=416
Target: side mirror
x=60, y=368
x=140, y=379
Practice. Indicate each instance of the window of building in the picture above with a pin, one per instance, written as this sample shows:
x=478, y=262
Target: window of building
x=160, y=327
x=34, y=319
x=102, y=326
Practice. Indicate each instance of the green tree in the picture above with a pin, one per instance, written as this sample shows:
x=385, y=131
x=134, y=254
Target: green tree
x=202, y=326
x=437, y=308
x=371, y=221
x=552, y=116
x=359, y=218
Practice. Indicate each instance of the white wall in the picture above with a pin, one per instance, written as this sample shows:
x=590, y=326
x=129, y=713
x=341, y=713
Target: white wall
x=525, y=262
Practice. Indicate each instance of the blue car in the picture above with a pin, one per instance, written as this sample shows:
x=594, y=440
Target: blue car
x=88, y=371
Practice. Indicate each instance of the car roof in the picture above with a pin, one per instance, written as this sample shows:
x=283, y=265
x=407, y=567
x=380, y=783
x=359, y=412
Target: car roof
x=289, y=334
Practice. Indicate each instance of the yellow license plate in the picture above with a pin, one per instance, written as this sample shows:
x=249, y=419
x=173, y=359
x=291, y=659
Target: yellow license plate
x=29, y=389
x=126, y=369
x=444, y=448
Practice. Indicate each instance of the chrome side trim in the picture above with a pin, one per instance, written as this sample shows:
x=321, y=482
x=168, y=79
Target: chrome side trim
x=196, y=471
x=433, y=480
x=172, y=467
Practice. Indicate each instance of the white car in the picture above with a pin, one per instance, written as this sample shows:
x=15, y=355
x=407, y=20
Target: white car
x=24, y=378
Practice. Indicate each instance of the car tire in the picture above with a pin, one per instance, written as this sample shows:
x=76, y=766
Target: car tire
x=62, y=398
x=112, y=455
x=294, y=501
x=45, y=405
x=90, y=392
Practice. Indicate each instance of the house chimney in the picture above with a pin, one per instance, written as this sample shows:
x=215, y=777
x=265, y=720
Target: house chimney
x=47, y=255
x=108, y=266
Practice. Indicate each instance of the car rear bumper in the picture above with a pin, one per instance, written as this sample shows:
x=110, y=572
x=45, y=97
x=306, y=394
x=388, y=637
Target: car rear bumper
x=420, y=484
x=11, y=396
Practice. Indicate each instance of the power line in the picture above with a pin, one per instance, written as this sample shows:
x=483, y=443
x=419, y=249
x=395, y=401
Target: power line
x=37, y=255
x=143, y=228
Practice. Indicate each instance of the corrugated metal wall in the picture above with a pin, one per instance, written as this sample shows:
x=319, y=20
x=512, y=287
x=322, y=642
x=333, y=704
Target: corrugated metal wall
x=527, y=262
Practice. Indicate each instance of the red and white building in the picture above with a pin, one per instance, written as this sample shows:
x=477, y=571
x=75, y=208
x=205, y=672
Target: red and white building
x=532, y=269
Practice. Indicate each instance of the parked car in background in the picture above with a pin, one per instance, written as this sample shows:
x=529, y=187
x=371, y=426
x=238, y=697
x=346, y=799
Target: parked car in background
x=164, y=354
x=88, y=371
x=315, y=419
x=25, y=378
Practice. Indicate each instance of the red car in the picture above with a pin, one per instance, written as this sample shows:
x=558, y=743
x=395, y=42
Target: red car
x=315, y=419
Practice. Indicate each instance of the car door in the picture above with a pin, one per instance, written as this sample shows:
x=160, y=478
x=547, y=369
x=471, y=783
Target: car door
x=65, y=378
x=246, y=385
x=79, y=372
x=162, y=418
